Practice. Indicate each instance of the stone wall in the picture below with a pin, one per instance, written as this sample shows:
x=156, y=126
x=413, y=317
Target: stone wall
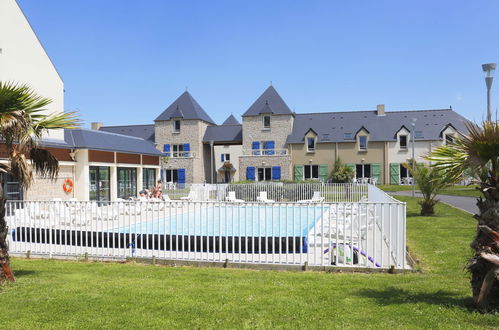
x=266, y=161
x=46, y=189
x=280, y=127
x=192, y=132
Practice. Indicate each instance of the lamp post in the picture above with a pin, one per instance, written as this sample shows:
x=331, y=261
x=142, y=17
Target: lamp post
x=489, y=76
x=211, y=159
x=413, y=135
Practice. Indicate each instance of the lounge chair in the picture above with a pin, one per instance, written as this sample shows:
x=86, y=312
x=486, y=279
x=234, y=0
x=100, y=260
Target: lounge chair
x=231, y=197
x=189, y=197
x=262, y=198
x=316, y=198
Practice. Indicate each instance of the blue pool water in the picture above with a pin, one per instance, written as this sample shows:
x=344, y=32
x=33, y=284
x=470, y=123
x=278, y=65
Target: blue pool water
x=237, y=220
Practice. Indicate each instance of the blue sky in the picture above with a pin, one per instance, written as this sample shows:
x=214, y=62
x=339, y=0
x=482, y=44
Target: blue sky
x=123, y=61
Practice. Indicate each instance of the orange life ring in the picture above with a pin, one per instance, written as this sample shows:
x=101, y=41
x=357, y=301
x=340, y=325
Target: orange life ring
x=67, y=185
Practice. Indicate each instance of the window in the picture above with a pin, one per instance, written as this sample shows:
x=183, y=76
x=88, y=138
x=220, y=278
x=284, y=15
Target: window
x=127, y=182
x=266, y=122
x=311, y=172
x=263, y=148
x=363, y=170
x=176, y=126
x=178, y=150
x=12, y=189
x=99, y=183
x=449, y=138
x=418, y=134
x=403, y=141
x=362, y=142
x=404, y=172
x=171, y=176
x=310, y=144
x=347, y=136
x=225, y=157
x=264, y=173
x=148, y=178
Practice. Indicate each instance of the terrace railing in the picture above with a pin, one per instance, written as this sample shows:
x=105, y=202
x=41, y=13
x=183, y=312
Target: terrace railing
x=348, y=234
x=277, y=191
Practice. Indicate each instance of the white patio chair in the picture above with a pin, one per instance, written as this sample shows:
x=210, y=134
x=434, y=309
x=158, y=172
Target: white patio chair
x=262, y=198
x=189, y=197
x=231, y=197
x=316, y=198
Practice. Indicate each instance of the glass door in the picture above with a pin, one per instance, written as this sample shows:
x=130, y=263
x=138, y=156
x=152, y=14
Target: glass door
x=127, y=182
x=99, y=183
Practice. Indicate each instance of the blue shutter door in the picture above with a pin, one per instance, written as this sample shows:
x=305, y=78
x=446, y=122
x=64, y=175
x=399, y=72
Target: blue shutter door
x=181, y=175
x=250, y=173
x=270, y=147
x=222, y=157
x=166, y=149
x=276, y=173
x=256, y=148
x=187, y=149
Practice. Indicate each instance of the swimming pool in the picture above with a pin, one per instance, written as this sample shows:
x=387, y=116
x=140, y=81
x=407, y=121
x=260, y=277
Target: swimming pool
x=233, y=220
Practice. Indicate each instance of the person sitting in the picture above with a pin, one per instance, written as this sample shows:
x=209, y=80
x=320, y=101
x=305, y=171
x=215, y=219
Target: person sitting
x=156, y=193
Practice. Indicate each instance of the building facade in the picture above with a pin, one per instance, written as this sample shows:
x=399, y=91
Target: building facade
x=274, y=143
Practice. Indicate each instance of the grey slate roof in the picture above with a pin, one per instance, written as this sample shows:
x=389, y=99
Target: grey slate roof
x=269, y=102
x=186, y=106
x=231, y=120
x=224, y=134
x=331, y=126
x=145, y=132
x=99, y=140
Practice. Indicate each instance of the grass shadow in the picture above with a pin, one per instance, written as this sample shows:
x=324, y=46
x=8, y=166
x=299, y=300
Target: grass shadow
x=23, y=272
x=395, y=296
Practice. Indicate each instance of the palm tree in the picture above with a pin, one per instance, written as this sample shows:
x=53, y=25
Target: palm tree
x=430, y=182
x=477, y=153
x=22, y=123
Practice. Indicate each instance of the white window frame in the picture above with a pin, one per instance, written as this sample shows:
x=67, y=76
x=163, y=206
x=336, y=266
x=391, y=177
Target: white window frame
x=406, y=141
x=360, y=145
x=175, y=130
x=263, y=122
x=171, y=171
x=265, y=169
x=226, y=157
x=449, y=138
x=313, y=149
x=364, y=170
x=179, y=153
x=311, y=167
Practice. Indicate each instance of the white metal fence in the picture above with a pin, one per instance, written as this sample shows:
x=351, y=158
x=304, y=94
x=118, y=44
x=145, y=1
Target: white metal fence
x=351, y=234
x=276, y=191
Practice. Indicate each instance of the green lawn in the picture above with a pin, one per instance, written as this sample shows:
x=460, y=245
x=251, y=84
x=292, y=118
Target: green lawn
x=457, y=190
x=63, y=294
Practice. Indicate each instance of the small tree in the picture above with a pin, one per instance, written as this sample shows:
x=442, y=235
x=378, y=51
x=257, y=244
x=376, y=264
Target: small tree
x=430, y=182
x=22, y=123
x=341, y=173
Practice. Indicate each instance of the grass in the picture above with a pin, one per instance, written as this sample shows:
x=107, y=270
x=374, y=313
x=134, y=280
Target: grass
x=64, y=294
x=457, y=190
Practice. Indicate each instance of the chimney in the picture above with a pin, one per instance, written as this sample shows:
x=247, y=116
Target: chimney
x=96, y=125
x=380, y=109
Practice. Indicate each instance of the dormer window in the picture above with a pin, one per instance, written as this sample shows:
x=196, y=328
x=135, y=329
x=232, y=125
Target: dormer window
x=418, y=134
x=403, y=141
x=310, y=144
x=362, y=142
x=266, y=122
x=449, y=138
x=176, y=126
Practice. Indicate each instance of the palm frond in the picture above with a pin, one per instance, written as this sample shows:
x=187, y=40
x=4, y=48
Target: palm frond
x=67, y=120
x=45, y=164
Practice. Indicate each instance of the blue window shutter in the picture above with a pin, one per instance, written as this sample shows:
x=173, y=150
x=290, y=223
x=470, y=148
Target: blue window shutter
x=256, y=147
x=270, y=147
x=222, y=156
x=166, y=149
x=181, y=175
x=250, y=173
x=187, y=149
x=276, y=173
